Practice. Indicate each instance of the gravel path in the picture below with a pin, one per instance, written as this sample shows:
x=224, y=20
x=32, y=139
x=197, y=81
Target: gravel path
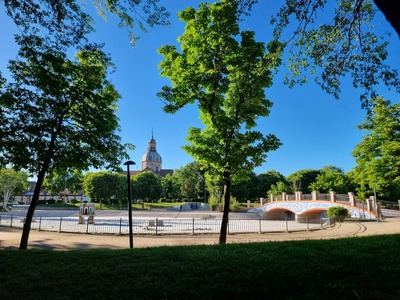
x=9, y=238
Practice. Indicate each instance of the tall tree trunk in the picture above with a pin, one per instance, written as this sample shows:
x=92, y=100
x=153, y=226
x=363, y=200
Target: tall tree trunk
x=36, y=193
x=391, y=10
x=5, y=199
x=28, y=220
x=225, y=216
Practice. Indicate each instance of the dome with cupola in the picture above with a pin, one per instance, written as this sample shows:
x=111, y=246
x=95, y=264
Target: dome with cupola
x=151, y=159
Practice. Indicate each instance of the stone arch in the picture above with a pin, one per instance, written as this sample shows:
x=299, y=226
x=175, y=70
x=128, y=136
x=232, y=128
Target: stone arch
x=312, y=215
x=279, y=213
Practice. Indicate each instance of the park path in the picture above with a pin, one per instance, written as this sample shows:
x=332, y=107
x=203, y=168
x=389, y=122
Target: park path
x=9, y=238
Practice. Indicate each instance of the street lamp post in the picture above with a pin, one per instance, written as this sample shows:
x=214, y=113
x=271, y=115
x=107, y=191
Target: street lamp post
x=127, y=164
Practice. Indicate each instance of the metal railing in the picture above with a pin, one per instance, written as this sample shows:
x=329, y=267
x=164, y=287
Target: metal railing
x=306, y=197
x=160, y=226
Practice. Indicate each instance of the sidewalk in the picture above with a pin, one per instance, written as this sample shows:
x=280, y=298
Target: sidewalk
x=9, y=238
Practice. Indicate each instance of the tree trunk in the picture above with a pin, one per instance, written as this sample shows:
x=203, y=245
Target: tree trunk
x=4, y=199
x=225, y=216
x=28, y=220
x=36, y=193
x=391, y=10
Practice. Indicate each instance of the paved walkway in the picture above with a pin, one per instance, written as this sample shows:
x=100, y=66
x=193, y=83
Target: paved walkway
x=9, y=238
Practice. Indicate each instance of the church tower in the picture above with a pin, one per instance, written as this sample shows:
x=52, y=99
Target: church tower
x=151, y=159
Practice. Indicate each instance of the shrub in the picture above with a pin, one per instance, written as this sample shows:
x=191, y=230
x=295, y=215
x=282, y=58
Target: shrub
x=213, y=202
x=338, y=212
x=235, y=205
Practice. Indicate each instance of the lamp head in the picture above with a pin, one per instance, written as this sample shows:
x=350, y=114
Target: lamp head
x=129, y=163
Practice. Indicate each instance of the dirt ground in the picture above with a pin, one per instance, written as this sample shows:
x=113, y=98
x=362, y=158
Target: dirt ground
x=9, y=238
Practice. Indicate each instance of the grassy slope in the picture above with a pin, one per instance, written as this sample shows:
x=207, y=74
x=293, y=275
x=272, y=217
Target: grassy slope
x=356, y=268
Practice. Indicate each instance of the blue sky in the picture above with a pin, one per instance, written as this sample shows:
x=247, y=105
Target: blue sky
x=315, y=129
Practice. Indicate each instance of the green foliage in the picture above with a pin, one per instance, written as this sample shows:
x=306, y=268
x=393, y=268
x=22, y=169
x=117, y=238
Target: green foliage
x=227, y=78
x=170, y=187
x=66, y=22
x=58, y=181
x=234, y=204
x=215, y=187
x=279, y=188
x=301, y=179
x=377, y=156
x=332, y=48
x=61, y=112
x=214, y=202
x=225, y=72
x=243, y=188
x=104, y=186
x=332, y=179
x=190, y=179
x=320, y=269
x=147, y=186
x=256, y=186
x=338, y=212
x=266, y=181
x=12, y=182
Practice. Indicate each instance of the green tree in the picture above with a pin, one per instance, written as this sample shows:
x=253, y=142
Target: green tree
x=243, y=188
x=335, y=40
x=377, y=156
x=215, y=187
x=225, y=71
x=59, y=181
x=332, y=179
x=171, y=187
x=60, y=113
x=265, y=182
x=104, y=186
x=301, y=179
x=147, y=186
x=279, y=188
x=12, y=182
x=68, y=23
x=191, y=181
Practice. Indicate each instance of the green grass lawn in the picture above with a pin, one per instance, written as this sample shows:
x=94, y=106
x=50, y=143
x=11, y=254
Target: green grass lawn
x=353, y=268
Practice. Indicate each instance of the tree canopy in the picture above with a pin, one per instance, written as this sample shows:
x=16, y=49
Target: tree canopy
x=71, y=180
x=332, y=179
x=146, y=186
x=301, y=179
x=377, y=155
x=171, y=187
x=191, y=181
x=330, y=40
x=11, y=183
x=60, y=113
x=279, y=188
x=103, y=186
x=67, y=22
x=265, y=182
x=225, y=72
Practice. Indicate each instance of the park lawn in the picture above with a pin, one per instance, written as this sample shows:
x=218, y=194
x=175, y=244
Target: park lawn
x=352, y=268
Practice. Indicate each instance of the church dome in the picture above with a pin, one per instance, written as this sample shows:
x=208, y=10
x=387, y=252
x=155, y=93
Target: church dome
x=151, y=155
x=151, y=159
